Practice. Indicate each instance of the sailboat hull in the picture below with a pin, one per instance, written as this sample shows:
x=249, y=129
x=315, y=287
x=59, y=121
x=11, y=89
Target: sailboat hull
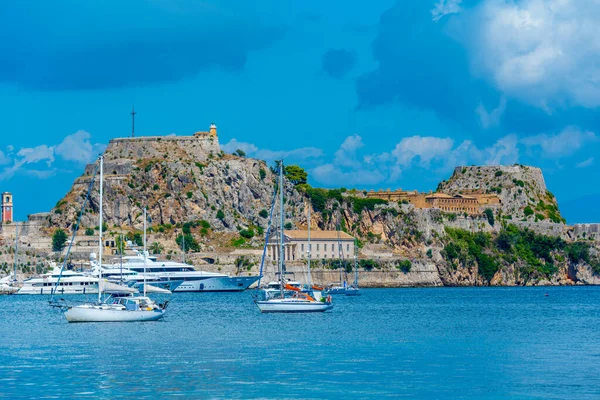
x=292, y=306
x=107, y=314
x=352, y=291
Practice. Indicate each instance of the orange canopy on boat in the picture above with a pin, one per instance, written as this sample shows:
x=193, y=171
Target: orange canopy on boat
x=290, y=287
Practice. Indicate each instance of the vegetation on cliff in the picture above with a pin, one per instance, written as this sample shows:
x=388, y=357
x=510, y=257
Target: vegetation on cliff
x=534, y=256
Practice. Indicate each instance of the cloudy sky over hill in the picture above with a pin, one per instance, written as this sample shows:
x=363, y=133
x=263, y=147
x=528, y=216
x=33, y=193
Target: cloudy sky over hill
x=390, y=95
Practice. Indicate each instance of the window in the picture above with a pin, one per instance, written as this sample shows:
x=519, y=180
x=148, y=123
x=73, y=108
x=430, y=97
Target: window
x=317, y=246
x=348, y=247
x=302, y=247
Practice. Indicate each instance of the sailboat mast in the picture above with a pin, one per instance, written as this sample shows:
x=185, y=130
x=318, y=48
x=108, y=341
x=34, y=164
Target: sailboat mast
x=309, y=251
x=355, y=264
x=16, y=250
x=100, y=230
x=281, y=245
x=121, y=245
x=339, y=245
x=144, y=252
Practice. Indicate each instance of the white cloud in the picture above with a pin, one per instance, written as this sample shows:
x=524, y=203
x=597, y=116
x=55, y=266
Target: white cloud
x=564, y=144
x=4, y=159
x=30, y=155
x=425, y=148
x=586, y=163
x=37, y=154
x=332, y=175
x=77, y=147
x=346, y=154
x=303, y=153
x=490, y=119
x=445, y=7
x=544, y=52
x=233, y=145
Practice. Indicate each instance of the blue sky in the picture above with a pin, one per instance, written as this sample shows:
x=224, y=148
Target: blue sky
x=390, y=95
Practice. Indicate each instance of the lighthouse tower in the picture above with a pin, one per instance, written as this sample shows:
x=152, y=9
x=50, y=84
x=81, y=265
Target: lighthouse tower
x=7, y=207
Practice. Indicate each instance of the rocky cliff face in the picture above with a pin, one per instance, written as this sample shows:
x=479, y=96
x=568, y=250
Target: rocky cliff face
x=178, y=180
x=189, y=179
x=521, y=189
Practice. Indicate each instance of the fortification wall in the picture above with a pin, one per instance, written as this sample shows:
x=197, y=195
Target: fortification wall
x=587, y=231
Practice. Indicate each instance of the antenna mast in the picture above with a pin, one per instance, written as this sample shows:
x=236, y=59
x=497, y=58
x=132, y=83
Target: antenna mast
x=133, y=121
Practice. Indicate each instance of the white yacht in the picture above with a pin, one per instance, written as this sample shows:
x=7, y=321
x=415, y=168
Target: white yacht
x=7, y=285
x=70, y=282
x=117, y=309
x=192, y=280
x=286, y=296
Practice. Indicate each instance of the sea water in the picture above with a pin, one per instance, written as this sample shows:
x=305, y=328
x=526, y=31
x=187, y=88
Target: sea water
x=424, y=343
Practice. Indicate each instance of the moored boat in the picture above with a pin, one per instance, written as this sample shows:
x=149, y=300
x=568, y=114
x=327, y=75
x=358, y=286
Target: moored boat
x=289, y=298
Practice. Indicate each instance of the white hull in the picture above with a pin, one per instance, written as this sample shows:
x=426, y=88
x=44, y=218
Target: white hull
x=216, y=284
x=108, y=314
x=336, y=290
x=351, y=291
x=292, y=306
x=7, y=289
x=91, y=289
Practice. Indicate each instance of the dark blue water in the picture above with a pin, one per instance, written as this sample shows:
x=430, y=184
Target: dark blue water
x=425, y=343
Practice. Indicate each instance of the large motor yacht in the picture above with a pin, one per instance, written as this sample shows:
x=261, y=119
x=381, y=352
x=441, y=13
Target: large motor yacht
x=71, y=282
x=193, y=280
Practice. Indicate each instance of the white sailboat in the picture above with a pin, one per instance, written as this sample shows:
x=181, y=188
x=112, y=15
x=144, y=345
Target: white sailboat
x=353, y=289
x=342, y=286
x=115, y=308
x=290, y=299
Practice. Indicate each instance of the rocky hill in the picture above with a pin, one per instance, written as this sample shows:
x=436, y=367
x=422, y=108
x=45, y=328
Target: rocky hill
x=521, y=189
x=179, y=180
x=221, y=200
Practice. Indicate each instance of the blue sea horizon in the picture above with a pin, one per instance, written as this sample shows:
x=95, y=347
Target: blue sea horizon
x=421, y=343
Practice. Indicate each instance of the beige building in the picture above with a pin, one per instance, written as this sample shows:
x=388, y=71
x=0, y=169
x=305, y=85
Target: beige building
x=473, y=202
x=323, y=245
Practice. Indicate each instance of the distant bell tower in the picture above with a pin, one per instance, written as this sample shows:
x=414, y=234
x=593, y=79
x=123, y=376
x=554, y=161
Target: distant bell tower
x=213, y=129
x=7, y=207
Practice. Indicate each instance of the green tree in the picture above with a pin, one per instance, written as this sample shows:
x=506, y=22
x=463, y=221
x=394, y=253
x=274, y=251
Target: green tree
x=490, y=215
x=156, y=248
x=220, y=214
x=263, y=213
x=247, y=233
x=59, y=240
x=241, y=263
x=240, y=153
x=190, y=243
x=295, y=174
x=89, y=232
x=288, y=226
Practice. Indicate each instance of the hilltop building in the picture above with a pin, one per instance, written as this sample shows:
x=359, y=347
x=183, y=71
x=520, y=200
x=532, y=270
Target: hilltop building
x=323, y=245
x=7, y=207
x=212, y=131
x=473, y=202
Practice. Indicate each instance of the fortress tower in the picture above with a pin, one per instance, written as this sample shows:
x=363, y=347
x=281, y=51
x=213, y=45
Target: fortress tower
x=212, y=132
x=7, y=207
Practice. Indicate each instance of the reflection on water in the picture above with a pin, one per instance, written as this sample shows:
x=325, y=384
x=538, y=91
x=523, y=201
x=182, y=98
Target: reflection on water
x=444, y=342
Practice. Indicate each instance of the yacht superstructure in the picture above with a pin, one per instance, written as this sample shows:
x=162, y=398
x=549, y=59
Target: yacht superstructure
x=71, y=282
x=192, y=280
